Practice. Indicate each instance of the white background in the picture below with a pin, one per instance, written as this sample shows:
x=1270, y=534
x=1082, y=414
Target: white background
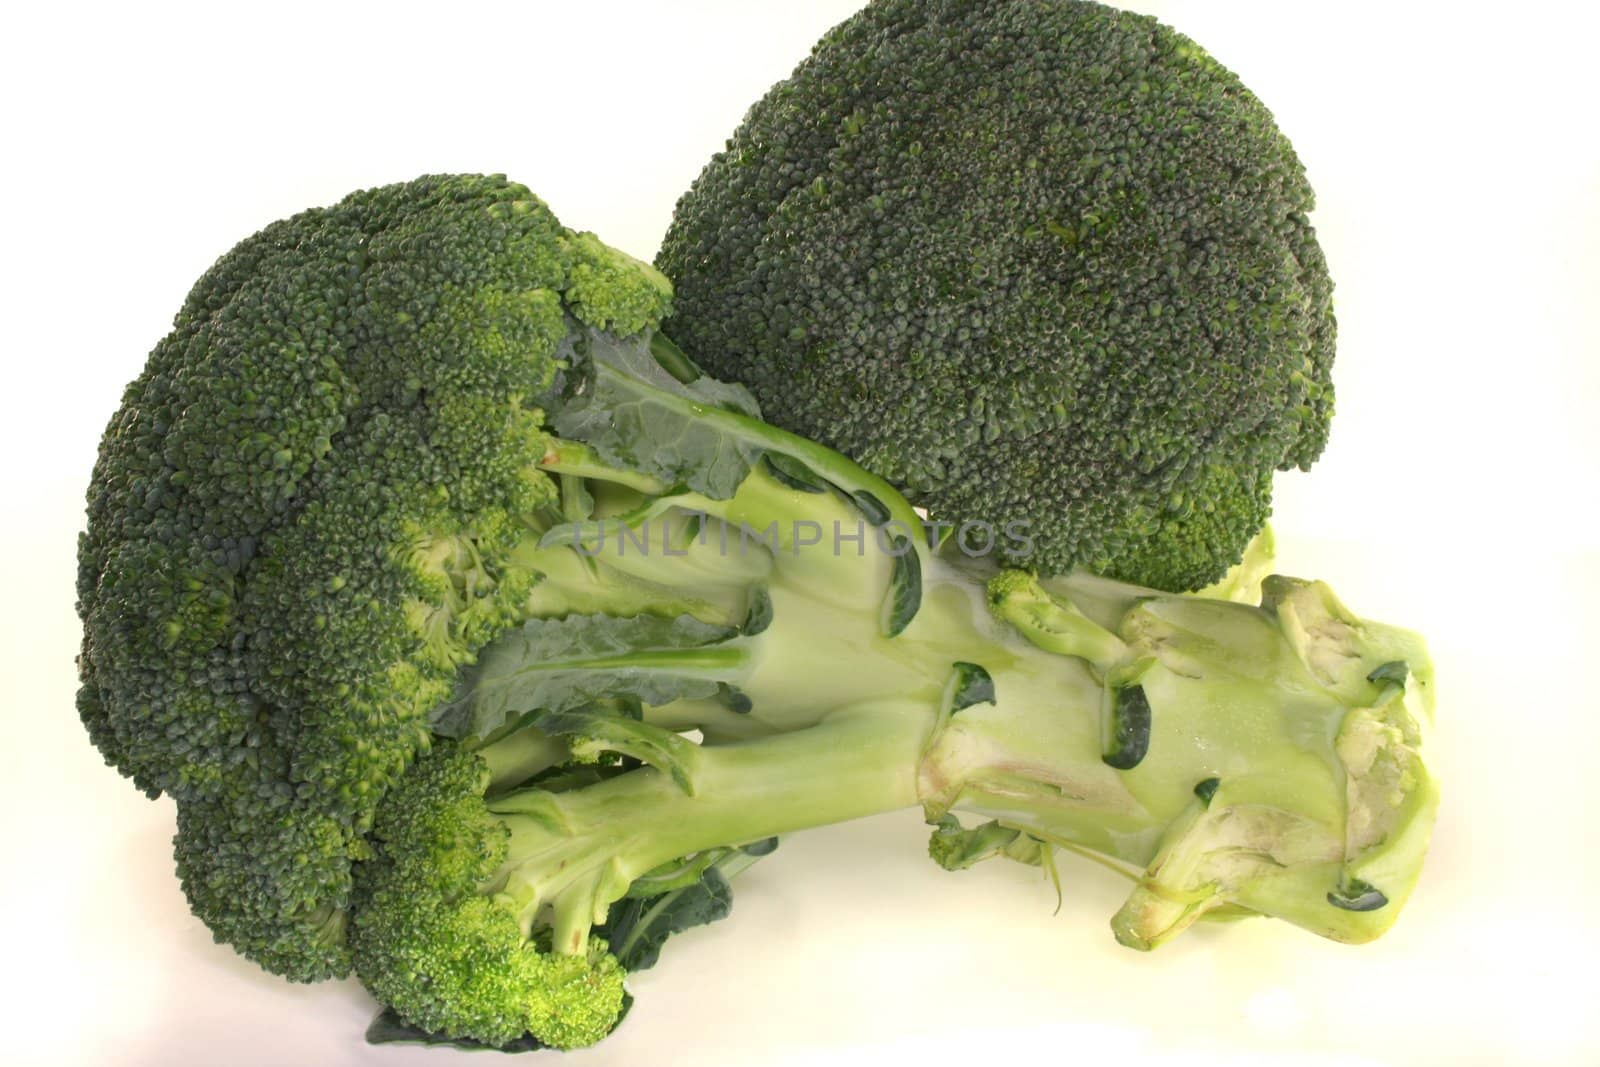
x=1457, y=166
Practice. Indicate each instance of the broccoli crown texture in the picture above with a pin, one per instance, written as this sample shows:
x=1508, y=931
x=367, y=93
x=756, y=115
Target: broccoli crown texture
x=1033, y=261
x=299, y=520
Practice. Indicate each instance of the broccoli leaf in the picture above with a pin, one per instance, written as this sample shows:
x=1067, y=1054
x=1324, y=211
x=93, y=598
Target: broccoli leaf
x=794, y=473
x=638, y=927
x=557, y=665
x=904, y=598
x=636, y=415
x=969, y=684
x=955, y=848
x=388, y=1028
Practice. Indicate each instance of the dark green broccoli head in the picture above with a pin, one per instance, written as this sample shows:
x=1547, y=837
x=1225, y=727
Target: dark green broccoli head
x=1034, y=261
x=300, y=521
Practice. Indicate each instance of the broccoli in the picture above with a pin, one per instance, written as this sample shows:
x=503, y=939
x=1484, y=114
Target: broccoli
x=480, y=640
x=1034, y=261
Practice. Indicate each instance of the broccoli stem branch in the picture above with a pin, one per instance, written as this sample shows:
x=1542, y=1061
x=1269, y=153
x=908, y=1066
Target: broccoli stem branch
x=576, y=852
x=520, y=755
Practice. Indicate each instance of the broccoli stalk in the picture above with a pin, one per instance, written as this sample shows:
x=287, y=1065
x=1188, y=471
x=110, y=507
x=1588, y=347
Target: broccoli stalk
x=1218, y=753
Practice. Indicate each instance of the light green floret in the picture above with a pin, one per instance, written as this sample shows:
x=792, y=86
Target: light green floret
x=420, y=912
x=610, y=290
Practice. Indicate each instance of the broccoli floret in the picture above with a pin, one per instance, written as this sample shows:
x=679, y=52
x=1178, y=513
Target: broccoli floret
x=479, y=638
x=419, y=912
x=1034, y=261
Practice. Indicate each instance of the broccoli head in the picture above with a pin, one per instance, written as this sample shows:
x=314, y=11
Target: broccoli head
x=300, y=521
x=1034, y=261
